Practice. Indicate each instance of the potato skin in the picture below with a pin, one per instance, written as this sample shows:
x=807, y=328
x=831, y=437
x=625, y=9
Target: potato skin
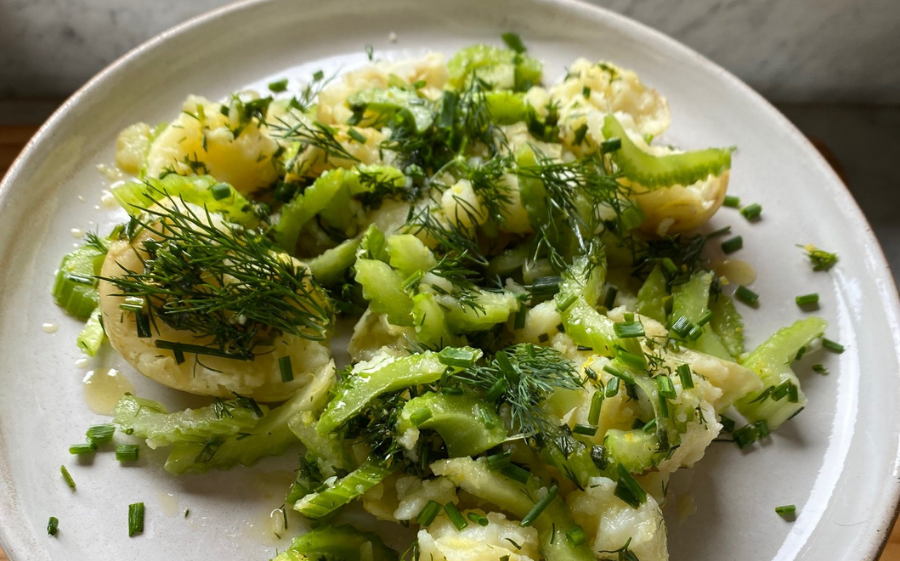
x=213, y=376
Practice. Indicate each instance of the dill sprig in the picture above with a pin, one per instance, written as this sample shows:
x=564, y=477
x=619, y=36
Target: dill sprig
x=221, y=282
x=683, y=251
x=451, y=238
x=522, y=376
x=317, y=134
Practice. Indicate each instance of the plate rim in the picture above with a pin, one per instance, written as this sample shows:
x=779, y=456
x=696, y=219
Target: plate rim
x=888, y=287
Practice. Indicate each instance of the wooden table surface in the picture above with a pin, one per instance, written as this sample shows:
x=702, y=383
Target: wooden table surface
x=14, y=137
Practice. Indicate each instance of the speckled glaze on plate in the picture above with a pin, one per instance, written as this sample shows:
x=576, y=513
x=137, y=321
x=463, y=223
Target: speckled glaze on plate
x=837, y=461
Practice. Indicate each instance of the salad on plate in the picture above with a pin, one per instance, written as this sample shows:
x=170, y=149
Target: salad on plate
x=474, y=303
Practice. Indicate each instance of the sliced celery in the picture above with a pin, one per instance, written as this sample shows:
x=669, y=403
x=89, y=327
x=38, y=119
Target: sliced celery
x=635, y=449
x=304, y=206
x=383, y=288
x=468, y=425
x=92, y=336
x=653, y=295
x=690, y=301
x=75, y=286
x=330, y=265
x=663, y=171
x=430, y=321
x=579, y=291
x=344, y=543
x=771, y=361
x=408, y=254
x=327, y=447
x=501, y=68
x=728, y=324
x=395, y=106
x=506, y=107
x=369, y=380
x=486, y=310
x=354, y=484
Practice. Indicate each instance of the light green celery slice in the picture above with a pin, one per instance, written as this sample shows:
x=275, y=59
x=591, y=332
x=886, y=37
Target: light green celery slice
x=664, y=171
x=728, y=324
x=354, y=484
x=92, y=336
x=690, y=300
x=501, y=68
x=489, y=309
x=330, y=266
x=200, y=190
x=75, y=285
x=344, y=543
x=506, y=107
x=383, y=288
x=327, y=447
x=401, y=106
x=771, y=361
x=304, y=206
x=430, y=321
x=653, y=295
x=408, y=254
x=468, y=425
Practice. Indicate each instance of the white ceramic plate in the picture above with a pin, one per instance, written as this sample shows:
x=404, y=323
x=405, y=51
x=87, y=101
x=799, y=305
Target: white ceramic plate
x=837, y=461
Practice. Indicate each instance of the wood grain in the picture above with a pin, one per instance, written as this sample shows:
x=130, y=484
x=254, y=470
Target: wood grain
x=13, y=138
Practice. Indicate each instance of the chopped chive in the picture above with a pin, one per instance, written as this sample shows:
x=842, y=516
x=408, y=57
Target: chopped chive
x=669, y=265
x=807, y=299
x=684, y=373
x=53, y=526
x=85, y=448
x=751, y=212
x=497, y=389
x=586, y=92
x=793, y=394
x=458, y=357
x=762, y=428
x=127, y=452
x=612, y=388
x=452, y=391
x=705, y=318
x=727, y=423
x=142, y=323
x=745, y=436
x=67, y=476
x=819, y=369
x=278, y=86
x=514, y=42
x=682, y=327
x=539, y=507
x=318, y=75
x=448, y=110
x=520, y=318
x=663, y=404
x=580, y=133
x=781, y=390
x=220, y=191
x=100, y=434
x=628, y=489
x=610, y=145
x=455, y=516
x=585, y=430
x=420, y=416
x=665, y=387
x=370, y=52
x=733, y=244
x=356, y=135
x=732, y=201
x=832, y=346
x=746, y=296
x=567, y=303
x=695, y=333
x=545, y=286
x=632, y=360
x=516, y=473
x=610, y=299
x=287, y=371
x=598, y=456
x=478, y=519
x=629, y=329
x=786, y=510
x=576, y=536
x=429, y=513
x=419, y=84
x=135, y=519
x=499, y=461
x=596, y=406
x=650, y=426
x=624, y=376
x=800, y=352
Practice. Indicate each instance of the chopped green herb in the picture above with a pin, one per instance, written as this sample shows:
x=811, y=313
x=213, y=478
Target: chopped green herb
x=821, y=260
x=596, y=406
x=278, y=86
x=832, y=346
x=53, y=526
x=370, y=52
x=684, y=373
x=576, y=536
x=807, y=299
x=629, y=329
x=514, y=42
x=732, y=201
x=135, y=519
x=733, y=244
x=516, y=473
x=127, y=452
x=100, y=434
x=287, y=371
x=628, y=489
x=429, y=513
x=745, y=436
x=478, y=519
x=539, y=507
x=752, y=212
x=499, y=461
x=356, y=135
x=85, y=448
x=819, y=369
x=746, y=295
x=585, y=430
x=786, y=510
x=455, y=516
x=67, y=476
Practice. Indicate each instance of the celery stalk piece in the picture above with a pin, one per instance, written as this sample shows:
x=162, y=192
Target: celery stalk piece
x=501, y=68
x=473, y=476
x=781, y=397
x=653, y=295
x=408, y=254
x=270, y=436
x=635, y=449
x=327, y=447
x=200, y=190
x=506, y=107
x=728, y=324
x=383, y=287
x=664, y=171
x=489, y=309
x=351, y=486
x=304, y=206
x=430, y=320
x=330, y=265
x=690, y=301
x=468, y=425
x=92, y=336
x=370, y=379
x=579, y=291
x=340, y=542
x=399, y=107
x=75, y=286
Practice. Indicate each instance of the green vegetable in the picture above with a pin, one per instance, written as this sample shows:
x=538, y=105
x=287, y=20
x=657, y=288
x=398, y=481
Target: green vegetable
x=383, y=288
x=430, y=321
x=394, y=106
x=408, y=254
x=92, y=335
x=467, y=424
x=329, y=266
x=53, y=526
x=483, y=310
x=127, y=452
x=727, y=323
x=201, y=190
x=328, y=447
x=635, y=449
x=100, y=434
x=506, y=107
x=771, y=361
x=664, y=171
x=585, y=325
x=552, y=522
x=690, y=301
x=369, y=380
x=820, y=259
x=354, y=484
x=135, y=519
x=67, y=477
x=653, y=295
x=338, y=543
x=75, y=287
x=304, y=206
x=501, y=68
